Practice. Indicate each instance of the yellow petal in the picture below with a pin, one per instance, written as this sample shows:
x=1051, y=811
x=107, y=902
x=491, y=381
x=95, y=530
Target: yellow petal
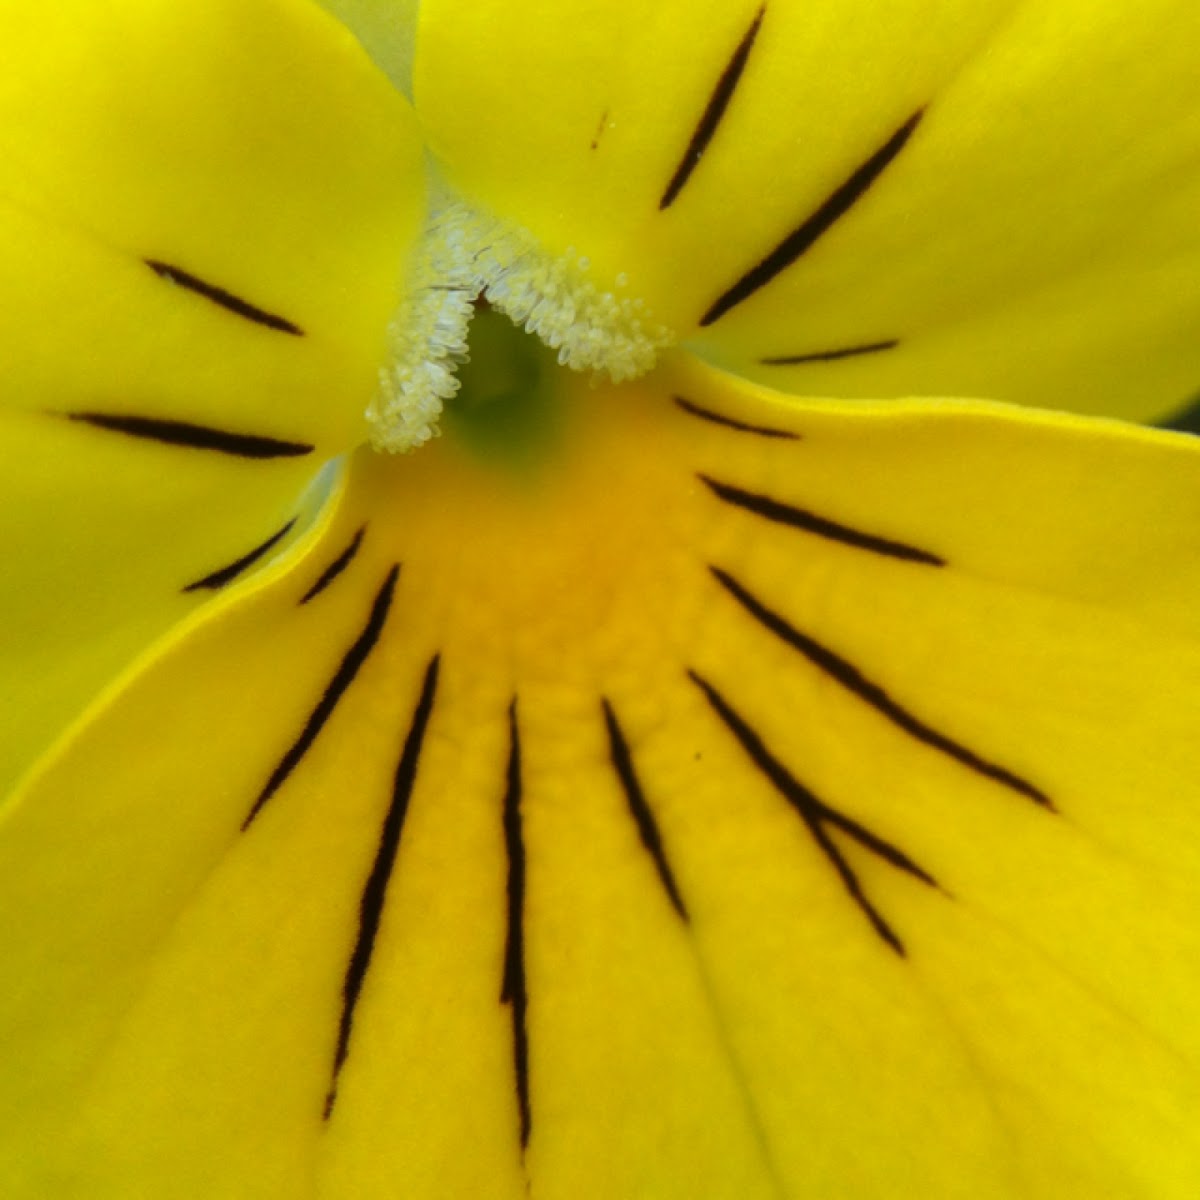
x=205, y=206
x=800, y=807
x=204, y=211
x=988, y=199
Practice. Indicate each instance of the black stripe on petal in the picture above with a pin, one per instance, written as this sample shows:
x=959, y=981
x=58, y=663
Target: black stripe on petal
x=716, y=418
x=347, y=670
x=336, y=567
x=816, y=815
x=223, y=299
x=194, y=437
x=639, y=809
x=718, y=102
x=801, y=239
x=227, y=574
x=799, y=518
x=513, y=990
x=853, y=680
x=817, y=356
x=374, y=894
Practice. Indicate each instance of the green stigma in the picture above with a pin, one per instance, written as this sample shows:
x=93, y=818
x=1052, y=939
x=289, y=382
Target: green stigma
x=466, y=254
x=507, y=406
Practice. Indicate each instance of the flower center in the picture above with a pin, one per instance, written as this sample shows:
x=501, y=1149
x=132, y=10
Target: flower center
x=467, y=254
x=508, y=407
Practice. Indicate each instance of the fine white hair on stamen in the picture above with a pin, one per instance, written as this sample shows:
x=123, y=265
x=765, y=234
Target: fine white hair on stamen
x=427, y=339
x=466, y=253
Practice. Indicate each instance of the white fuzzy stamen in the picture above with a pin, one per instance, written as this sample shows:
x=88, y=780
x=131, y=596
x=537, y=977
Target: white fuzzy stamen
x=427, y=340
x=465, y=254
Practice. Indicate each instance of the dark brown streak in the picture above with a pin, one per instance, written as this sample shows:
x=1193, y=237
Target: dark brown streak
x=802, y=238
x=718, y=102
x=222, y=298
x=799, y=518
x=639, y=809
x=195, y=437
x=716, y=418
x=335, y=568
x=816, y=814
x=513, y=991
x=347, y=670
x=853, y=886
x=853, y=680
x=877, y=845
x=601, y=126
x=225, y=575
x=375, y=891
x=815, y=356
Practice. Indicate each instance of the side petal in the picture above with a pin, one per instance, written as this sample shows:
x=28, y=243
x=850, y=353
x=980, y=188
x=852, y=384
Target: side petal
x=706, y=822
x=205, y=209
x=982, y=199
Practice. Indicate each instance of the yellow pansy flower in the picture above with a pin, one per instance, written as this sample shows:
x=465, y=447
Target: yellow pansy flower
x=697, y=772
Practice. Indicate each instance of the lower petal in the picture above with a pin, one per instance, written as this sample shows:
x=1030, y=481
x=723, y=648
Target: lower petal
x=743, y=800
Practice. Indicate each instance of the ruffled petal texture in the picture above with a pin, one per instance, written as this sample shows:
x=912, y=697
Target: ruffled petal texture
x=205, y=210
x=991, y=199
x=803, y=807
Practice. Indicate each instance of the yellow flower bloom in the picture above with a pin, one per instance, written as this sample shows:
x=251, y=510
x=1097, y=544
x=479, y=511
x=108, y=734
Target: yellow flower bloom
x=669, y=781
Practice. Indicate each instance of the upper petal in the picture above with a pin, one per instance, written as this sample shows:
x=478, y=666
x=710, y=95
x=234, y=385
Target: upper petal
x=973, y=198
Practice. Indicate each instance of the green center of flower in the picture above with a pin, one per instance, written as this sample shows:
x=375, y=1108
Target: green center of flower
x=466, y=254
x=507, y=405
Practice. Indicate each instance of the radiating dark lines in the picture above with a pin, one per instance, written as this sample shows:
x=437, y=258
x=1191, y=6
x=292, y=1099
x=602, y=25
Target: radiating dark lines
x=816, y=815
x=222, y=298
x=195, y=437
x=639, y=809
x=513, y=991
x=851, y=678
x=818, y=356
x=718, y=102
x=227, y=574
x=716, y=418
x=802, y=238
x=799, y=518
x=375, y=891
x=349, y=667
x=335, y=568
